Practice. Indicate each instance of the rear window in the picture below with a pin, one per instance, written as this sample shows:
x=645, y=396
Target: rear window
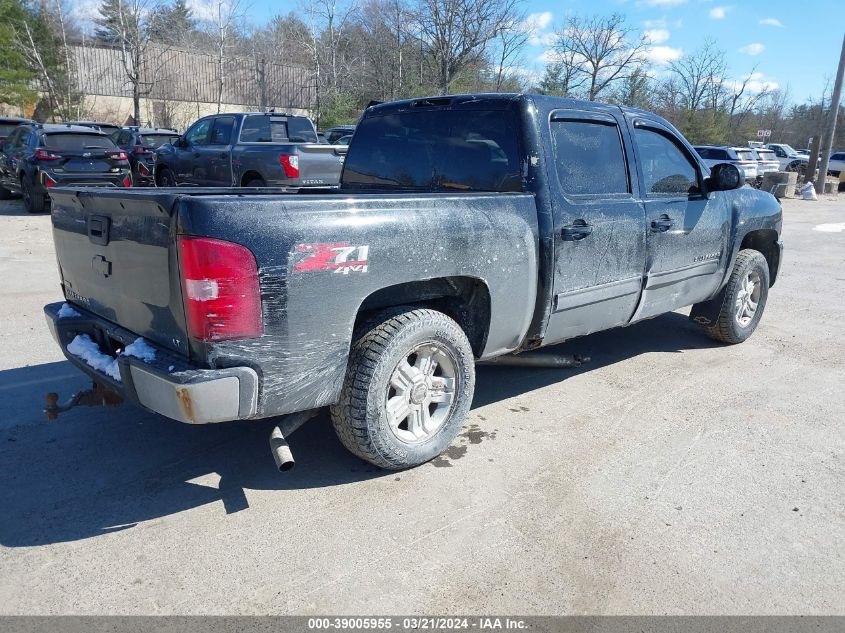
x=77, y=141
x=765, y=154
x=157, y=140
x=745, y=155
x=442, y=150
x=265, y=129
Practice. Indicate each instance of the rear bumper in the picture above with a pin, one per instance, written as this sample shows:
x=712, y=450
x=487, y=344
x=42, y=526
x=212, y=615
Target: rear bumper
x=169, y=384
x=81, y=179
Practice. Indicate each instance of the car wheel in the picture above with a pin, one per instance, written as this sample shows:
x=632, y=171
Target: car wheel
x=5, y=194
x=33, y=201
x=744, y=299
x=166, y=178
x=408, y=387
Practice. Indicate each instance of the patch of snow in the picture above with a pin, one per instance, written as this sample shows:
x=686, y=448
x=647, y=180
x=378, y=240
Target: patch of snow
x=140, y=349
x=66, y=312
x=84, y=348
x=839, y=227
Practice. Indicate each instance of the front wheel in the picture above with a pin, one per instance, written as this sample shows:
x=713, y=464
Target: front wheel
x=5, y=194
x=408, y=387
x=744, y=299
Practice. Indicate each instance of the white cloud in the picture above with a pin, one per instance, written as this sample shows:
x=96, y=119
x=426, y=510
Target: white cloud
x=536, y=24
x=662, y=55
x=539, y=21
x=753, y=49
x=657, y=36
x=771, y=22
x=655, y=24
x=719, y=13
x=756, y=83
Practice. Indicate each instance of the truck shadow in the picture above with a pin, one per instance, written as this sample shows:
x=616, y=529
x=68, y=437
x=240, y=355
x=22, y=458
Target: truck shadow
x=98, y=471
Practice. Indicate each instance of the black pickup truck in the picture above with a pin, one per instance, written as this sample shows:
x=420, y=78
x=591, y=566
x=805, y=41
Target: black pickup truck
x=252, y=149
x=465, y=228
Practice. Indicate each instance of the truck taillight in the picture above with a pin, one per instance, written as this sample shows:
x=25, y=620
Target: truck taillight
x=290, y=163
x=220, y=289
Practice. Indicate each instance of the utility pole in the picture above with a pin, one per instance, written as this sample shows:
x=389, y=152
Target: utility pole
x=827, y=145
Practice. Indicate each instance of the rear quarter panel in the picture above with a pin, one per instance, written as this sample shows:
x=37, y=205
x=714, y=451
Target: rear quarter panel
x=311, y=295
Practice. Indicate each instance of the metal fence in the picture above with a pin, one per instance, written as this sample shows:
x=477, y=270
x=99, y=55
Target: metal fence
x=174, y=74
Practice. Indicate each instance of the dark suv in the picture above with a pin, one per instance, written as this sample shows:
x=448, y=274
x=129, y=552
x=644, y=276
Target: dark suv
x=37, y=157
x=140, y=144
x=100, y=126
x=8, y=125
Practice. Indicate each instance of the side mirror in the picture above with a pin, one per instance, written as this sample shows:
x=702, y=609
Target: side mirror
x=724, y=177
x=178, y=142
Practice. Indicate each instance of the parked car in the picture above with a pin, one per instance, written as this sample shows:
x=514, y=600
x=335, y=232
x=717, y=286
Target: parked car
x=7, y=126
x=251, y=149
x=766, y=161
x=836, y=163
x=106, y=128
x=344, y=140
x=37, y=157
x=333, y=134
x=805, y=152
x=788, y=158
x=465, y=228
x=742, y=157
x=140, y=144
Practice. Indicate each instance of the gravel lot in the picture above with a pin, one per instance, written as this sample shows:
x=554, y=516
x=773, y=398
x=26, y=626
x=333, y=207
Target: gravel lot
x=670, y=475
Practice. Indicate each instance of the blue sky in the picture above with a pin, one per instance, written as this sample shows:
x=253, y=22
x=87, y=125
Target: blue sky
x=782, y=38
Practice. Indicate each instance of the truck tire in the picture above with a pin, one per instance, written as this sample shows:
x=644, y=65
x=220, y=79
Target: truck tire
x=408, y=387
x=5, y=194
x=166, y=178
x=33, y=201
x=744, y=300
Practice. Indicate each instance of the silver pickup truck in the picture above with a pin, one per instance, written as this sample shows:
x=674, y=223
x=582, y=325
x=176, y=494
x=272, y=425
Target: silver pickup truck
x=252, y=149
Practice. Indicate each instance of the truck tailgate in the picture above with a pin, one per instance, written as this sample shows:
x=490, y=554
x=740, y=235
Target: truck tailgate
x=117, y=258
x=320, y=164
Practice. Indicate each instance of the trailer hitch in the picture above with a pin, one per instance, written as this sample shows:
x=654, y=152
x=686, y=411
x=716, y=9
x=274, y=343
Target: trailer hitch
x=97, y=396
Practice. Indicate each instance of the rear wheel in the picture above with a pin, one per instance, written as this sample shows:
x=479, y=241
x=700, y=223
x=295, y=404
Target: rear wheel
x=166, y=178
x=744, y=299
x=408, y=388
x=5, y=194
x=33, y=201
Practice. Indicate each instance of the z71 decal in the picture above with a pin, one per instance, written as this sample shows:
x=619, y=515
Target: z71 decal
x=340, y=257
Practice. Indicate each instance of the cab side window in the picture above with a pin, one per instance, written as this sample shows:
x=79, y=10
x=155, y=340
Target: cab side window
x=666, y=169
x=588, y=157
x=221, y=131
x=198, y=134
x=14, y=140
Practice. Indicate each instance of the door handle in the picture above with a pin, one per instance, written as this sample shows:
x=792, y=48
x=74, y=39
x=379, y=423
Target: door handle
x=575, y=232
x=662, y=224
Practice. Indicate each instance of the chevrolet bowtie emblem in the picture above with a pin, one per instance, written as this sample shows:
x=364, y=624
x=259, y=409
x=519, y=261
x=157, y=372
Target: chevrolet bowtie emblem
x=101, y=265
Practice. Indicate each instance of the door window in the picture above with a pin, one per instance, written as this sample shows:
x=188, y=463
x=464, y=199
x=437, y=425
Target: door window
x=14, y=140
x=666, y=169
x=221, y=132
x=198, y=133
x=589, y=157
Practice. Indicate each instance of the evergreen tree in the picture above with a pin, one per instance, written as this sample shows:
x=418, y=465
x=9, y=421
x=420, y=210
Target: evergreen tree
x=16, y=74
x=171, y=24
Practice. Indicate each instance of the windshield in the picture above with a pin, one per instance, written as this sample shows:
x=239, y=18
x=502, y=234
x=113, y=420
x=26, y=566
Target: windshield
x=77, y=142
x=789, y=151
x=442, y=150
x=157, y=140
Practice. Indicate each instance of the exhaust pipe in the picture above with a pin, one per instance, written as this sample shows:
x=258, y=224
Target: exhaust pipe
x=536, y=359
x=281, y=451
x=278, y=444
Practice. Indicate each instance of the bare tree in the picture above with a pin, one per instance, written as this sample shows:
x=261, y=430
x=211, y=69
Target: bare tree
x=224, y=25
x=509, y=43
x=699, y=76
x=457, y=32
x=604, y=49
